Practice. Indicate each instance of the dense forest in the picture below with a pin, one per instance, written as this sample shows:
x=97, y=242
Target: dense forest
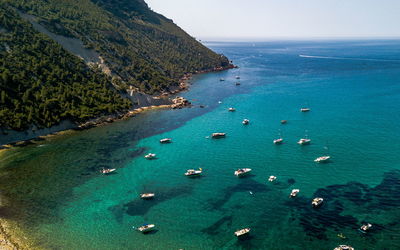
x=42, y=83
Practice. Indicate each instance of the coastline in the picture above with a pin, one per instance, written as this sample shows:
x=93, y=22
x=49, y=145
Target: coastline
x=11, y=239
x=177, y=102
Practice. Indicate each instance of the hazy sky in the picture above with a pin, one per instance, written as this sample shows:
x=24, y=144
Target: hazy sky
x=283, y=18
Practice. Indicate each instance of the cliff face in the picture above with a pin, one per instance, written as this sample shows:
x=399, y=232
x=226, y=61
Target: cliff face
x=75, y=59
x=142, y=48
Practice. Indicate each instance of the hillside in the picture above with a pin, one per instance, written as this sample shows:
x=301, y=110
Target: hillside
x=74, y=59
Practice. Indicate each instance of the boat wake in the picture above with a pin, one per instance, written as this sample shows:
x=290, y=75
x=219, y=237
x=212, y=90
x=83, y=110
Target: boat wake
x=350, y=58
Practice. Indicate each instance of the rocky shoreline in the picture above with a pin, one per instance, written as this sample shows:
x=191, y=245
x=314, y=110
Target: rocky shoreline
x=175, y=103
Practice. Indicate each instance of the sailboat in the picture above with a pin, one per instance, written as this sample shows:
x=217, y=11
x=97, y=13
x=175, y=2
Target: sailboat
x=238, y=75
x=305, y=140
x=305, y=109
x=279, y=140
x=323, y=159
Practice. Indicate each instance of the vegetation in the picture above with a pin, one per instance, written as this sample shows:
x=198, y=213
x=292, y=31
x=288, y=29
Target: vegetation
x=41, y=83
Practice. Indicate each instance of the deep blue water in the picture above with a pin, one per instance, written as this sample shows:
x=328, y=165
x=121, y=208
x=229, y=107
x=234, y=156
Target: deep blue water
x=353, y=90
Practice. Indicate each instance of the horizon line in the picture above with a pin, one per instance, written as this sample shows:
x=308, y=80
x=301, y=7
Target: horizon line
x=284, y=38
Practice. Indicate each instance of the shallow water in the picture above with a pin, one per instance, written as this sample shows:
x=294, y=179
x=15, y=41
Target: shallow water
x=57, y=194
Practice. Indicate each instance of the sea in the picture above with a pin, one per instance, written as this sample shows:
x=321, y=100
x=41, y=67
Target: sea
x=53, y=190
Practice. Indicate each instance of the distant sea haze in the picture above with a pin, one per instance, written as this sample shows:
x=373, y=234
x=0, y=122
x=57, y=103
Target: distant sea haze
x=350, y=58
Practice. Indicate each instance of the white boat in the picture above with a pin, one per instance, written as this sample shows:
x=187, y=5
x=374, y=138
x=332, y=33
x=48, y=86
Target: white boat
x=245, y=121
x=242, y=171
x=304, y=141
x=272, y=178
x=218, y=135
x=366, y=227
x=242, y=232
x=294, y=192
x=316, y=202
x=322, y=159
x=279, y=140
x=166, y=140
x=344, y=247
x=146, y=196
x=305, y=109
x=221, y=79
x=283, y=121
x=146, y=228
x=237, y=77
x=107, y=170
x=150, y=156
x=193, y=172
x=231, y=109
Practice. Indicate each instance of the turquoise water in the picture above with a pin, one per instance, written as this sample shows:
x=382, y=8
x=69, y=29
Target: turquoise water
x=353, y=90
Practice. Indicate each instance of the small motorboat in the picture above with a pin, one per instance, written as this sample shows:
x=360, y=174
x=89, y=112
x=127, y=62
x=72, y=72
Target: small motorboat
x=147, y=196
x=305, y=109
x=221, y=79
x=344, y=247
x=316, y=202
x=272, y=178
x=150, y=156
x=166, y=140
x=237, y=83
x=231, y=109
x=245, y=121
x=242, y=171
x=278, y=141
x=237, y=77
x=322, y=159
x=304, y=141
x=294, y=193
x=193, y=172
x=366, y=227
x=146, y=228
x=218, y=135
x=107, y=170
x=242, y=232
x=283, y=121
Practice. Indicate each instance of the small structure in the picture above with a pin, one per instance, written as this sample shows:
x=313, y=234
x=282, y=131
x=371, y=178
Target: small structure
x=180, y=102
